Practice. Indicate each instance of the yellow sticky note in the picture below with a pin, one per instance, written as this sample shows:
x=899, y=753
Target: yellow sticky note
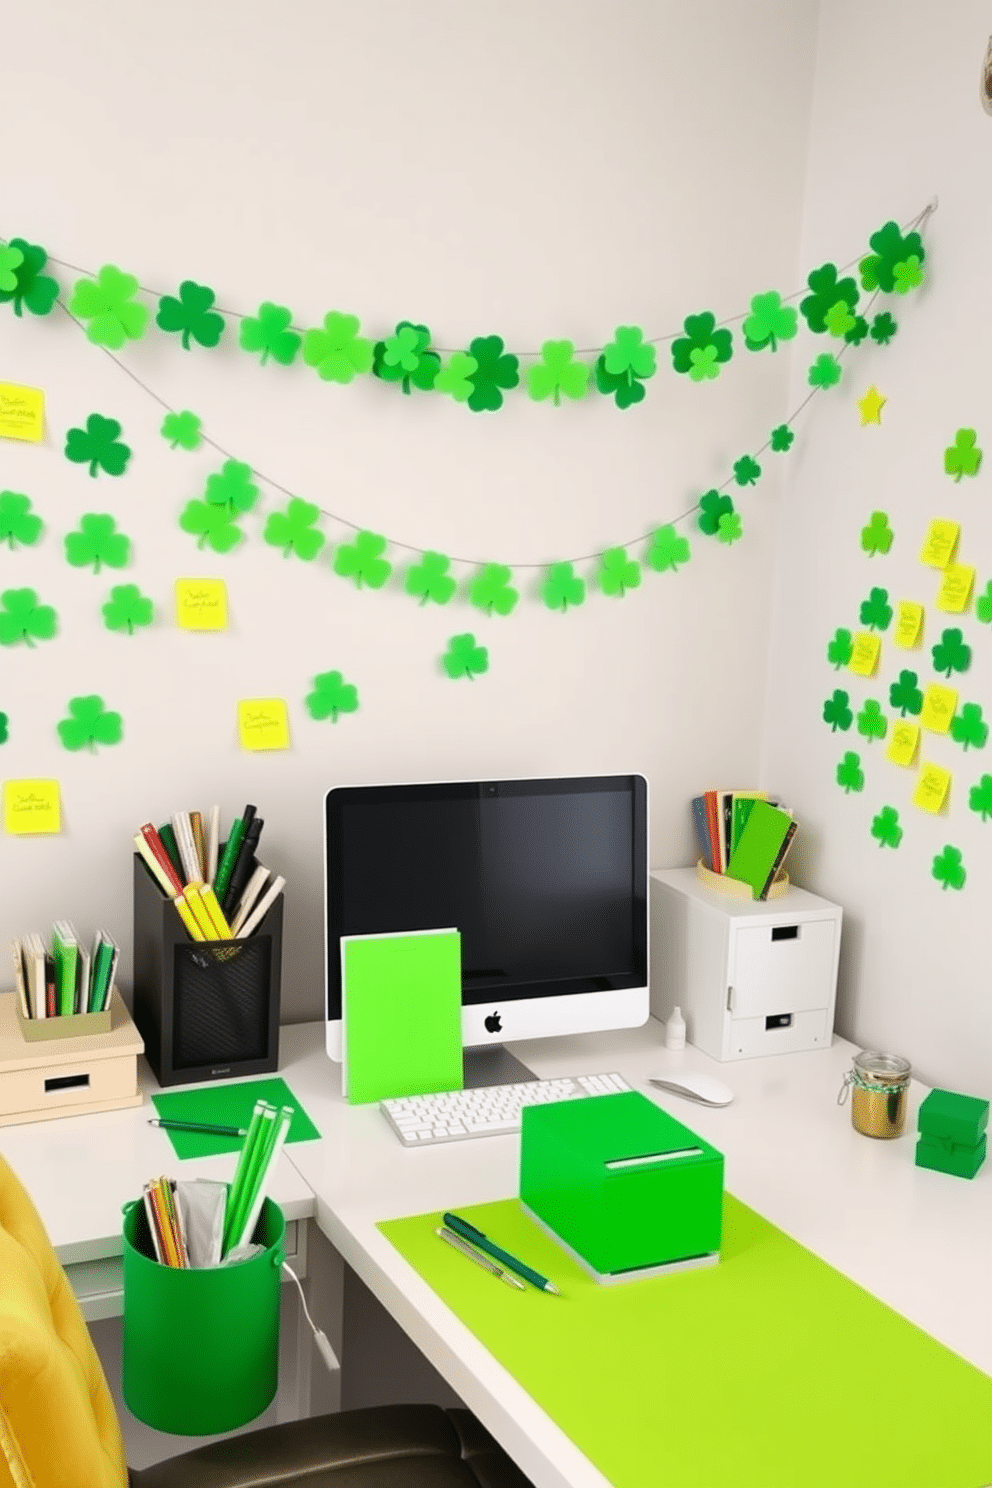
x=939, y=704
x=931, y=788
x=201, y=604
x=909, y=624
x=22, y=412
x=865, y=653
x=941, y=540
x=31, y=806
x=263, y=723
x=955, y=591
x=902, y=745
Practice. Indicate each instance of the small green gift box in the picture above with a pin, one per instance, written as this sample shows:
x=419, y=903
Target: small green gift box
x=950, y=1157
x=624, y=1186
x=953, y=1118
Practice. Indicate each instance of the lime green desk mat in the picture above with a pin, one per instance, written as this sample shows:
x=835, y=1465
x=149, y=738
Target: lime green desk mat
x=227, y=1105
x=769, y=1370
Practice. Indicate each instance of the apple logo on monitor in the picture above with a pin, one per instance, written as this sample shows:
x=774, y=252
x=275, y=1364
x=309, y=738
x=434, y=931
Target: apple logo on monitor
x=493, y=1024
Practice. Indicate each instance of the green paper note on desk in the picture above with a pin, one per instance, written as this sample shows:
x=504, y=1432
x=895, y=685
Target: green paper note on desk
x=227, y=1105
x=402, y=1013
x=763, y=843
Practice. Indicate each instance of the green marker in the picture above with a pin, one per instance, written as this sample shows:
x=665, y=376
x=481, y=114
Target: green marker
x=482, y=1242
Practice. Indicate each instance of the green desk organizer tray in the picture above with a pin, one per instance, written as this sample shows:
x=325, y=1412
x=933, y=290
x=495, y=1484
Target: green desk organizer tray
x=624, y=1186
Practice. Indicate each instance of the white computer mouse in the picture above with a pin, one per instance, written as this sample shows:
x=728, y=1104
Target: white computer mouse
x=695, y=1086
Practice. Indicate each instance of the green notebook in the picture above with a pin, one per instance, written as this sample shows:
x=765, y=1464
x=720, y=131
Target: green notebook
x=769, y=1370
x=401, y=1014
x=761, y=841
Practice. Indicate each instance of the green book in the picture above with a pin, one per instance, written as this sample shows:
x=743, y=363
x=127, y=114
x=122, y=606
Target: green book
x=401, y=1014
x=760, y=849
x=65, y=954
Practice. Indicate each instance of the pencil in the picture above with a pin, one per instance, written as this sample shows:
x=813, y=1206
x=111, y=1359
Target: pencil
x=199, y=1126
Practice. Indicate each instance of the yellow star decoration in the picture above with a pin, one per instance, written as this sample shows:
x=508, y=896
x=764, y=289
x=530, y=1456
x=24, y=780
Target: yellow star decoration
x=871, y=406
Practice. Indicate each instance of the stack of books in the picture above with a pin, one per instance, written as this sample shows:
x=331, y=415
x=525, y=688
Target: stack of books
x=220, y=890
x=744, y=835
x=63, y=977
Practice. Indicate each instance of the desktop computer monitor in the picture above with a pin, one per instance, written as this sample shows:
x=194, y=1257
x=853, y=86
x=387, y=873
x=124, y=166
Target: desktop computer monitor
x=545, y=880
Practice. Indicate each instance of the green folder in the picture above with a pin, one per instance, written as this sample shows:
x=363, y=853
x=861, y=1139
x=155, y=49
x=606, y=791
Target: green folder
x=760, y=842
x=401, y=1014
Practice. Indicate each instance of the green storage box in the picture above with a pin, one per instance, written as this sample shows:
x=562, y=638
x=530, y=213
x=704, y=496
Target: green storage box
x=950, y=1157
x=624, y=1186
x=953, y=1118
x=200, y=1347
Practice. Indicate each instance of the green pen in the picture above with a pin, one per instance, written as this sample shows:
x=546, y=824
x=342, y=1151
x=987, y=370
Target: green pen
x=476, y=1237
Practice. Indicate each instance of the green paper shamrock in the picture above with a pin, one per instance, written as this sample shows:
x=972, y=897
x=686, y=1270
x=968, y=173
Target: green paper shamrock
x=712, y=507
x=404, y=358
x=838, y=320
x=126, y=608
x=850, y=774
x=828, y=291
x=907, y=275
x=625, y=391
x=963, y=457
x=429, y=579
x=948, y=869
x=32, y=289
x=10, y=260
x=883, y=328
x=885, y=827
x=905, y=695
x=951, y=653
x=980, y=798
x=969, y=727
x=983, y=605
x=856, y=333
x=96, y=542
x=769, y=322
x=625, y=365
x=89, y=722
x=213, y=525
x=840, y=649
x=4, y=728
x=880, y=269
x=98, y=446
x=455, y=377
x=825, y=372
x=618, y=573
x=108, y=303
x=877, y=536
x=496, y=370
x=837, y=712
x=876, y=612
x=18, y=524
x=667, y=550
x=331, y=695
x=562, y=587
x=293, y=530
x=22, y=618
x=231, y=487
x=270, y=335
x=182, y=429
x=871, y=721
x=781, y=439
x=730, y=528
x=557, y=373
x=362, y=560
x=464, y=658
x=492, y=591
x=747, y=471
x=191, y=315
x=703, y=349
x=338, y=352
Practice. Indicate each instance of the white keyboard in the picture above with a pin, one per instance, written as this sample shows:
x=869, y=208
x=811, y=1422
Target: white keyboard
x=488, y=1111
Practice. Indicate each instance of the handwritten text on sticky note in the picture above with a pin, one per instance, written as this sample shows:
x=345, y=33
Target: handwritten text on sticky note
x=31, y=806
x=864, y=657
x=263, y=723
x=941, y=540
x=902, y=746
x=201, y=604
x=931, y=788
x=909, y=623
x=22, y=412
x=939, y=704
x=955, y=591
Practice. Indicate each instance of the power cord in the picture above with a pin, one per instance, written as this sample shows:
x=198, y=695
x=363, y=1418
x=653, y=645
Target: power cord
x=320, y=1338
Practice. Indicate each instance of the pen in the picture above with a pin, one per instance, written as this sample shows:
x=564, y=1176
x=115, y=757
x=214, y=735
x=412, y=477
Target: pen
x=476, y=1237
x=473, y=1255
x=199, y=1126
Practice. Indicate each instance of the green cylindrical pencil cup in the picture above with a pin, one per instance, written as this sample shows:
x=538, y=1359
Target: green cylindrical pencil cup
x=200, y=1347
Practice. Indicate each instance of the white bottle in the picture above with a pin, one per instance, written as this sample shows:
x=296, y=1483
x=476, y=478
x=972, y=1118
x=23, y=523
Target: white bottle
x=675, y=1031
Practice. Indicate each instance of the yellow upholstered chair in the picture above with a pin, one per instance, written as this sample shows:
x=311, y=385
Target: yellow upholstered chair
x=59, y=1427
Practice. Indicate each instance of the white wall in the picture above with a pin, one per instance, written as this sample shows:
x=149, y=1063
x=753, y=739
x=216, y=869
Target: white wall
x=896, y=121
x=533, y=170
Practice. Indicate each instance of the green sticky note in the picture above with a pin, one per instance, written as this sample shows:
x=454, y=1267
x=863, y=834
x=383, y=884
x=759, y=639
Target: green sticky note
x=227, y=1105
x=402, y=1011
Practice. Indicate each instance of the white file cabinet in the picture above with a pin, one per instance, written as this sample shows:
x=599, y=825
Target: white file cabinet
x=752, y=977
